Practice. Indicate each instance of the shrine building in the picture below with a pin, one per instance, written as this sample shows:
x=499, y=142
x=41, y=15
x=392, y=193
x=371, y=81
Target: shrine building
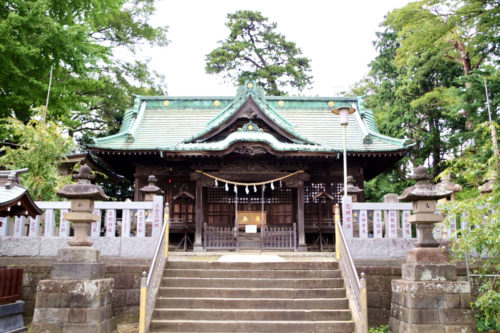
x=233, y=168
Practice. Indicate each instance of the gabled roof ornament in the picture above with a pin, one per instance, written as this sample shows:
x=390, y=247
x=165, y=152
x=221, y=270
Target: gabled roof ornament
x=14, y=198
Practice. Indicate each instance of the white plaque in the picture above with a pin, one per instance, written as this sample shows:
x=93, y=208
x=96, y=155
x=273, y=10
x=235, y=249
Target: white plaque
x=251, y=229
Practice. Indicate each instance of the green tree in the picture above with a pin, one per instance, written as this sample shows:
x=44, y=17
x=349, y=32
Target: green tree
x=40, y=147
x=254, y=50
x=74, y=41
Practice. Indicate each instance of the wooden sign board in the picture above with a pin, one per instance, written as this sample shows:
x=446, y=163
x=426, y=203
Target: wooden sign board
x=250, y=218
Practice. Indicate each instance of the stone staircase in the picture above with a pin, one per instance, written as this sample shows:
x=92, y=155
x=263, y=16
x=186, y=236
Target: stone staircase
x=252, y=297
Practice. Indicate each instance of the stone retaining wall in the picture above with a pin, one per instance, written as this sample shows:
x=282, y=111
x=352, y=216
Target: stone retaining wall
x=379, y=274
x=127, y=275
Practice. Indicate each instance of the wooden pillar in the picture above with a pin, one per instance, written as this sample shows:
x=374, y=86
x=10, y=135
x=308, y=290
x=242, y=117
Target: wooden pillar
x=300, y=216
x=198, y=245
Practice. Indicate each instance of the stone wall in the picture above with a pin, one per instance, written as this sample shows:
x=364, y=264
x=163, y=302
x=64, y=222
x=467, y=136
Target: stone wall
x=123, y=247
x=126, y=272
x=379, y=274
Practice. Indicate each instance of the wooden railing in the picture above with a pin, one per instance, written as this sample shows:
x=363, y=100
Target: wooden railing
x=279, y=237
x=355, y=287
x=11, y=284
x=220, y=238
x=151, y=283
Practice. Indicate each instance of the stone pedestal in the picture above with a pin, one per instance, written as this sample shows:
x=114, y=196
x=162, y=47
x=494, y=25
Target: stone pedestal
x=77, y=298
x=429, y=298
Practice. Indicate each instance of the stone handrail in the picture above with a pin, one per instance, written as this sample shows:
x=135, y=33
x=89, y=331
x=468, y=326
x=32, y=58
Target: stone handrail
x=355, y=287
x=150, y=283
x=134, y=217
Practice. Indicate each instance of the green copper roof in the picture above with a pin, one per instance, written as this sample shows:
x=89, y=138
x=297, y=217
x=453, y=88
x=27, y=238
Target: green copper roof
x=177, y=124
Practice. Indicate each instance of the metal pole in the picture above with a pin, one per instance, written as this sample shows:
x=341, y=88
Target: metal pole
x=345, y=162
x=44, y=115
x=492, y=128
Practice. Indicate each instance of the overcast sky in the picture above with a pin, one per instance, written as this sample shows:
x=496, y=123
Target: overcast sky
x=336, y=35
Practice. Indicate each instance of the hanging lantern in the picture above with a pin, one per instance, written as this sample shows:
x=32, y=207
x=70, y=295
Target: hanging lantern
x=255, y=189
x=216, y=183
x=235, y=189
x=281, y=184
x=226, y=187
x=263, y=187
x=272, y=186
x=246, y=190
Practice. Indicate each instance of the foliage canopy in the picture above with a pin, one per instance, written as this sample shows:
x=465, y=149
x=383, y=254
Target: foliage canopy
x=75, y=41
x=254, y=50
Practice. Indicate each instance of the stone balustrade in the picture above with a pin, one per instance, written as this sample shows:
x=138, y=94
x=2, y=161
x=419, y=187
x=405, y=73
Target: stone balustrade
x=125, y=229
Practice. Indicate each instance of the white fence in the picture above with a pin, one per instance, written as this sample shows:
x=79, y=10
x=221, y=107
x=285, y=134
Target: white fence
x=124, y=229
x=382, y=230
x=129, y=229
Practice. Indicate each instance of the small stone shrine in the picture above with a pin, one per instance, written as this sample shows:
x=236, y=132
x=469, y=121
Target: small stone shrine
x=429, y=298
x=77, y=298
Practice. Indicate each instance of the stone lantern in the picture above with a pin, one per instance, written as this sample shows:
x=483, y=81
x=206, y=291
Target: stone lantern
x=353, y=191
x=82, y=196
x=424, y=196
x=448, y=185
x=77, y=297
x=488, y=186
x=151, y=189
x=428, y=298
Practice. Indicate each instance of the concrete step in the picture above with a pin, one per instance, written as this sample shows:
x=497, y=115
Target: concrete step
x=251, y=292
x=251, y=265
x=288, y=326
x=236, y=273
x=251, y=303
x=189, y=282
x=252, y=314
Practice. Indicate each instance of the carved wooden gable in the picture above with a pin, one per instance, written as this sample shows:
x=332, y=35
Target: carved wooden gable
x=250, y=111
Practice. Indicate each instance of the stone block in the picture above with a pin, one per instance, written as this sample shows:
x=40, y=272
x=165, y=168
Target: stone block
x=428, y=287
x=124, y=281
x=415, y=316
x=430, y=255
x=460, y=329
x=377, y=317
x=77, y=305
x=136, y=247
x=119, y=297
x=20, y=246
x=452, y=301
x=51, y=246
x=466, y=300
x=79, y=254
x=433, y=301
x=46, y=328
x=51, y=315
x=429, y=272
x=132, y=297
x=77, y=271
x=456, y=316
x=380, y=248
x=109, y=246
x=78, y=315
